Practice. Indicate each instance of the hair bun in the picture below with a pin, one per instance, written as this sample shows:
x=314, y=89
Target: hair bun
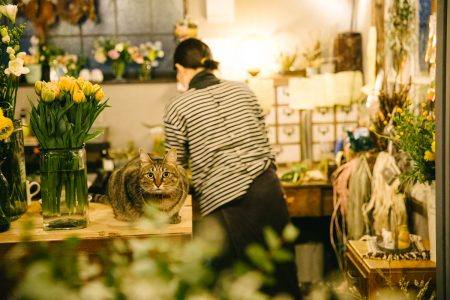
x=209, y=64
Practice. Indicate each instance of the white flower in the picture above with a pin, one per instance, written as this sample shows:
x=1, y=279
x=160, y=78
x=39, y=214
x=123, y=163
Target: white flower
x=16, y=67
x=10, y=50
x=6, y=39
x=100, y=57
x=21, y=55
x=9, y=11
x=158, y=45
x=119, y=47
x=34, y=41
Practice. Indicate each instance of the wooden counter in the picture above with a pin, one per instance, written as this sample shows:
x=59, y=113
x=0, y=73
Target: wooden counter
x=312, y=199
x=102, y=228
x=371, y=275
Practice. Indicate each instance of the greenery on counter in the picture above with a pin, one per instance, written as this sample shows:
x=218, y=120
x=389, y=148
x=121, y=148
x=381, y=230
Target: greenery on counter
x=144, y=268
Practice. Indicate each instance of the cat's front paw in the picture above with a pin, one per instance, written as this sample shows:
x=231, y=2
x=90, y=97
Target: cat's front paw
x=175, y=219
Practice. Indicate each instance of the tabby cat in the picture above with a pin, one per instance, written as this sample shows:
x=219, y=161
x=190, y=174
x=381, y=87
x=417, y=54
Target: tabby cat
x=160, y=182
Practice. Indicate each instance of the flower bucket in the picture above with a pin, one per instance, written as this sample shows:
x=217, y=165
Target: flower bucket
x=145, y=71
x=35, y=73
x=64, y=189
x=14, y=170
x=118, y=69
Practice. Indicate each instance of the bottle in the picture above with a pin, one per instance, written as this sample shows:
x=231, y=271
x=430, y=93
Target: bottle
x=24, y=121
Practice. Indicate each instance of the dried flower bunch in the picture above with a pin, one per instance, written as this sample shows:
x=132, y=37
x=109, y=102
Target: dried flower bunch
x=401, y=30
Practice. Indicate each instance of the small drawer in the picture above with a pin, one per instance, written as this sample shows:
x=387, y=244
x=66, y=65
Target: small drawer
x=323, y=133
x=347, y=113
x=342, y=128
x=289, y=134
x=322, y=150
x=270, y=117
x=304, y=202
x=323, y=115
x=287, y=115
x=283, y=95
x=286, y=153
x=272, y=134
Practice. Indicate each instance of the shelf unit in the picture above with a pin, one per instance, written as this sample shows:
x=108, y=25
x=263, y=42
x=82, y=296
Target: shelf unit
x=324, y=127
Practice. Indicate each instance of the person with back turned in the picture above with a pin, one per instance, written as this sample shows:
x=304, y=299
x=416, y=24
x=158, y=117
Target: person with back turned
x=218, y=126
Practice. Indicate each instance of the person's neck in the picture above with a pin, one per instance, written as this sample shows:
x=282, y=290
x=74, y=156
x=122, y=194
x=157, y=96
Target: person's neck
x=192, y=72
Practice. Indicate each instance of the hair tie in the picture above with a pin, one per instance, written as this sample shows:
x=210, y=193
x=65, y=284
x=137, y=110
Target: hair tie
x=203, y=60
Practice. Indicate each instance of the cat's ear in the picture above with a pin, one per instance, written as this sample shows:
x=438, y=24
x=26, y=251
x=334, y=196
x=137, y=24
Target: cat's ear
x=171, y=156
x=145, y=158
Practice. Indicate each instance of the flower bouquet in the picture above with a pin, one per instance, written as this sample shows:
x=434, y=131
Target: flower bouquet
x=414, y=133
x=61, y=121
x=6, y=129
x=147, y=55
x=11, y=68
x=106, y=49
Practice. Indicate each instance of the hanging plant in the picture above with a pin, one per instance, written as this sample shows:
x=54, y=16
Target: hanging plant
x=401, y=31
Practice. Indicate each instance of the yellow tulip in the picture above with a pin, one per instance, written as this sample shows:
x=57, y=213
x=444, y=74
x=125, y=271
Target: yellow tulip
x=55, y=88
x=399, y=110
x=38, y=87
x=78, y=96
x=65, y=84
x=87, y=88
x=48, y=94
x=99, y=94
x=433, y=146
x=1, y=112
x=6, y=127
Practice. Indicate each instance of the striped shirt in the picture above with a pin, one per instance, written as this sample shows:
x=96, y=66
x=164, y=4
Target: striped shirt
x=221, y=131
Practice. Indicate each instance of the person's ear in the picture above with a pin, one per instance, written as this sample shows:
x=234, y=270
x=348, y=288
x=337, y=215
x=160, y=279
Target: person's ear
x=179, y=68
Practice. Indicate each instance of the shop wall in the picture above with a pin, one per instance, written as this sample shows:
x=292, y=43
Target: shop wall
x=287, y=24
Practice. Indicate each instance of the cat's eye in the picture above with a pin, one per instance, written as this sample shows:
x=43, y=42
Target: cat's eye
x=150, y=174
x=165, y=174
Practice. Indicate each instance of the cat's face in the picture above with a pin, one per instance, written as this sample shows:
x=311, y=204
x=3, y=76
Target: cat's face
x=159, y=176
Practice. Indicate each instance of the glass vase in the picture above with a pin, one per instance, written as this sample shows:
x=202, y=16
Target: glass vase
x=64, y=189
x=4, y=196
x=14, y=171
x=118, y=69
x=145, y=71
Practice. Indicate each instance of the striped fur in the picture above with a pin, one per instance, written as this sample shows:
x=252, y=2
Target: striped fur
x=144, y=180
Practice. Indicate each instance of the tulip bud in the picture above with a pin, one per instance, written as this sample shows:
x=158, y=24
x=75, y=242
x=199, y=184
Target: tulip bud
x=55, y=88
x=48, y=94
x=87, y=88
x=78, y=96
x=10, y=50
x=99, y=95
x=4, y=31
x=6, y=39
x=65, y=84
x=38, y=87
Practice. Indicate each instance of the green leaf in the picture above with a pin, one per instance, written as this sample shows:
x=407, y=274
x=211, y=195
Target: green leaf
x=282, y=255
x=93, y=135
x=259, y=257
x=272, y=239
